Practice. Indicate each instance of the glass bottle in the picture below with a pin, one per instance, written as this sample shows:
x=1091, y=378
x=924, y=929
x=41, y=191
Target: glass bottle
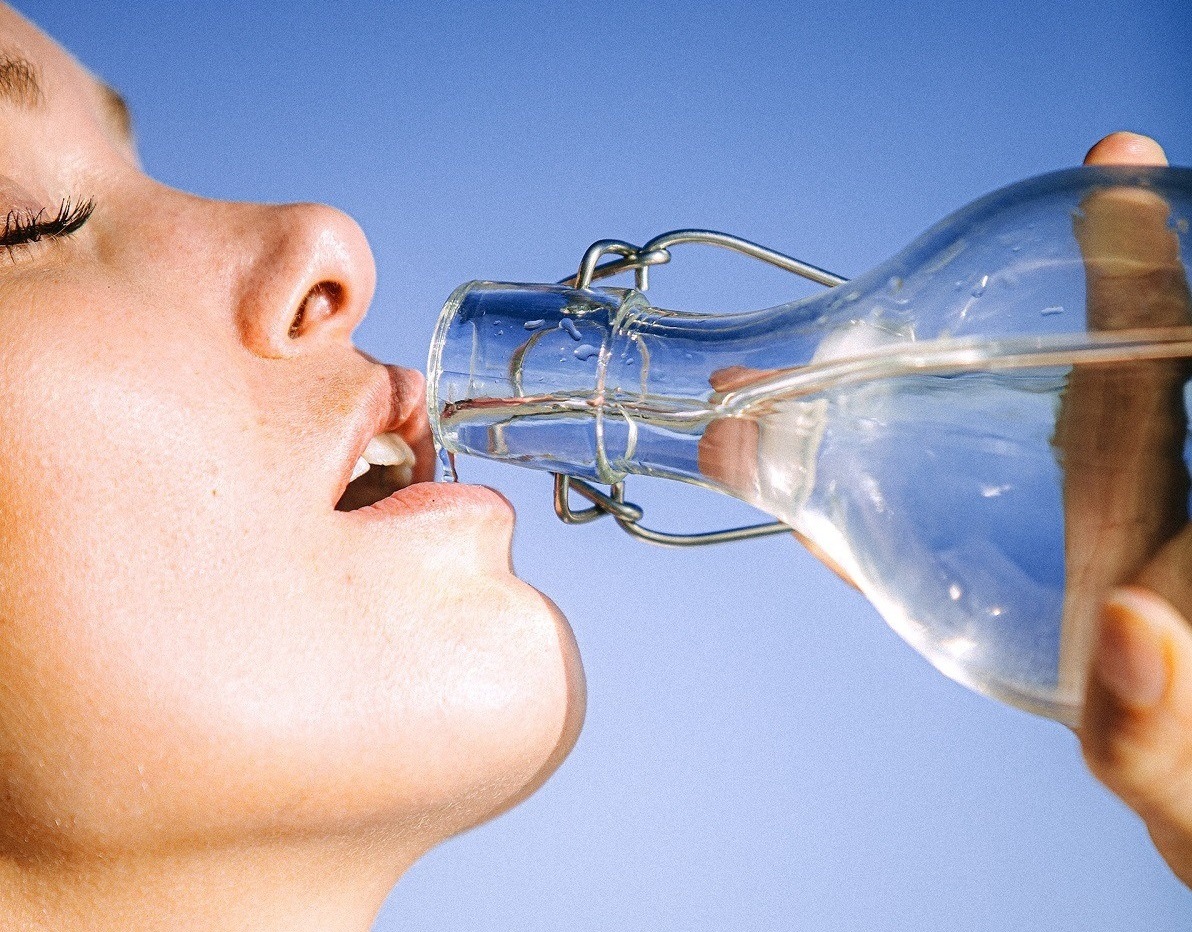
x=984, y=433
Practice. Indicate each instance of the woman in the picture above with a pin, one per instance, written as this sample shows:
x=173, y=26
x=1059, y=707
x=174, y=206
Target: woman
x=229, y=692
x=231, y=704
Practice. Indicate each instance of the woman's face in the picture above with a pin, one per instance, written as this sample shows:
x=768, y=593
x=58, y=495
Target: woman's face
x=196, y=644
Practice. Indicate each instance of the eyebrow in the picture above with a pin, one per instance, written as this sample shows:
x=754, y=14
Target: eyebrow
x=18, y=81
x=118, y=111
x=19, y=85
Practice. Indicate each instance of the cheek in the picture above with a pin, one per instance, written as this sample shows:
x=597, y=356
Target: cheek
x=178, y=637
x=126, y=591
x=120, y=475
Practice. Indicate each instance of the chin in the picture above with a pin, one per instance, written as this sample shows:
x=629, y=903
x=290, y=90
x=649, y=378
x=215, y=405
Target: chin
x=539, y=727
x=484, y=705
x=574, y=709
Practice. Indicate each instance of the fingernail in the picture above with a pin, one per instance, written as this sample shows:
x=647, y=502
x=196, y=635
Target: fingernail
x=1130, y=660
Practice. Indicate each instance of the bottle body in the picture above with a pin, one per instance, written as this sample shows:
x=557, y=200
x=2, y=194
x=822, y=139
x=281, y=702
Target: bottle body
x=948, y=429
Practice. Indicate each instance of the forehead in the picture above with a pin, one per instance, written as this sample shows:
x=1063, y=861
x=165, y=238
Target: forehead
x=36, y=73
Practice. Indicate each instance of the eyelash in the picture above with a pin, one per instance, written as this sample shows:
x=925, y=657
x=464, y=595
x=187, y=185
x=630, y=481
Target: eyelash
x=24, y=227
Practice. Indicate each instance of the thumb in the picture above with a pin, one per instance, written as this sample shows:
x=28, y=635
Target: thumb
x=1137, y=728
x=1124, y=148
x=1129, y=244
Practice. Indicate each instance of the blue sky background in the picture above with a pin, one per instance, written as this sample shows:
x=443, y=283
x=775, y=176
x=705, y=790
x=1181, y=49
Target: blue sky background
x=760, y=752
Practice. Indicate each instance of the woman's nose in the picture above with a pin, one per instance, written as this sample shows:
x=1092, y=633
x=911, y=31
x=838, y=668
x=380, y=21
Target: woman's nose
x=310, y=280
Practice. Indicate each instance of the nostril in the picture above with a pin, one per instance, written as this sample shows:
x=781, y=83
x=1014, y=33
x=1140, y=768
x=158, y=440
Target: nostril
x=323, y=301
x=305, y=283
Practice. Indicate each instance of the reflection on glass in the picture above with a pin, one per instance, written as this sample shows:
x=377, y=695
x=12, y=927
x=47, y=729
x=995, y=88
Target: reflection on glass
x=983, y=434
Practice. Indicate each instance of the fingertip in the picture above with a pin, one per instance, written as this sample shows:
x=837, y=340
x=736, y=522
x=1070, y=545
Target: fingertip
x=1130, y=659
x=1126, y=148
x=1144, y=602
x=1139, y=743
x=1138, y=702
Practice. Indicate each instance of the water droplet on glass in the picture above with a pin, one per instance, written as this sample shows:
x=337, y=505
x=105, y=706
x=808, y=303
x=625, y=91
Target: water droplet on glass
x=586, y=351
x=1051, y=311
x=568, y=325
x=534, y=324
x=447, y=460
x=954, y=592
x=979, y=289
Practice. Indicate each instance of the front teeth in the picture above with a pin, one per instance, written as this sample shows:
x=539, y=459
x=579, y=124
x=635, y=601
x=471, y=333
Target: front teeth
x=389, y=450
x=386, y=450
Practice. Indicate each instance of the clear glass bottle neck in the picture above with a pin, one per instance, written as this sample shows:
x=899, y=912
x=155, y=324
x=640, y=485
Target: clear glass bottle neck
x=598, y=383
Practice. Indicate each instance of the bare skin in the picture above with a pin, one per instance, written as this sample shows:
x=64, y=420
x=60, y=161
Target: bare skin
x=1120, y=432
x=226, y=704
x=1137, y=729
x=1128, y=549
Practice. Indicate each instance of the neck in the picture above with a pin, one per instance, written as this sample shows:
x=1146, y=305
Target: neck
x=294, y=886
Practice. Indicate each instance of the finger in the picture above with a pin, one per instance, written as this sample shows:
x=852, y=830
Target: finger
x=1124, y=148
x=1119, y=434
x=822, y=555
x=1120, y=438
x=1131, y=254
x=1137, y=729
x=727, y=454
x=733, y=377
x=1167, y=574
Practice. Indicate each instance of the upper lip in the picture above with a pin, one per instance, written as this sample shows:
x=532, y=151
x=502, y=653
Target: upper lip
x=395, y=403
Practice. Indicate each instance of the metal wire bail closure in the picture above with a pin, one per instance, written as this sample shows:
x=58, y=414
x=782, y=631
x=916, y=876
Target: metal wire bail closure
x=639, y=259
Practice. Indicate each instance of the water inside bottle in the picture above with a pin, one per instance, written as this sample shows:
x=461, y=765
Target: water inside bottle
x=985, y=432
x=976, y=499
x=980, y=511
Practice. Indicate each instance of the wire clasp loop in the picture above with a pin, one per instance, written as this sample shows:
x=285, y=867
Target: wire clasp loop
x=640, y=259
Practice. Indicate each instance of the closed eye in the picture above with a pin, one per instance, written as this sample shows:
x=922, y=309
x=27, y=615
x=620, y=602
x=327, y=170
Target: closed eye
x=25, y=227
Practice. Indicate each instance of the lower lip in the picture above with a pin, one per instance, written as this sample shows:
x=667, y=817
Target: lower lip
x=440, y=499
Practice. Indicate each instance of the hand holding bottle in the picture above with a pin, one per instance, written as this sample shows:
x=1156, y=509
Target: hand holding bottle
x=1127, y=513
x=1119, y=439
x=987, y=434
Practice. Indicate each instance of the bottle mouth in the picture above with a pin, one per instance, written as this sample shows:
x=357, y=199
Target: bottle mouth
x=505, y=353
x=434, y=362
